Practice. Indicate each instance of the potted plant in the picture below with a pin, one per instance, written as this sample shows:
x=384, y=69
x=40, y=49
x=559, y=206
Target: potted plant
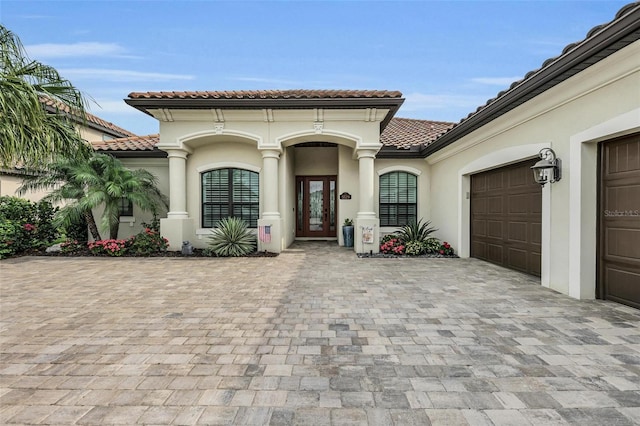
x=347, y=232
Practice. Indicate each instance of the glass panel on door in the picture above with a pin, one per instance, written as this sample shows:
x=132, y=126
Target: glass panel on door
x=316, y=205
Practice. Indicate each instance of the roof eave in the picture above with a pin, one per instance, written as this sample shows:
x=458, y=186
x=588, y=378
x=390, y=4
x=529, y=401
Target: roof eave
x=393, y=104
x=147, y=153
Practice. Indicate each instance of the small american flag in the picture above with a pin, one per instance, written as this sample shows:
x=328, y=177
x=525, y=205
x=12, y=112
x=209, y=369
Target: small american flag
x=265, y=233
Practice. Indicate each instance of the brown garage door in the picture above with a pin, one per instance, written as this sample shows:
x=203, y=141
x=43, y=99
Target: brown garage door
x=506, y=206
x=619, y=248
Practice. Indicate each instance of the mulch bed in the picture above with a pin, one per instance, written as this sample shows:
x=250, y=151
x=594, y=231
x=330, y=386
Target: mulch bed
x=404, y=256
x=196, y=253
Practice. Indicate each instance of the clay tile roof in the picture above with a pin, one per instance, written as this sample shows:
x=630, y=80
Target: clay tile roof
x=111, y=128
x=404, y=133
x=269, y=94
x=133, y=143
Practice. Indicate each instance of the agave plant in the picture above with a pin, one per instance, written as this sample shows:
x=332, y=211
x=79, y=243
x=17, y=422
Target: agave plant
x=416, y=231
x=232, y=238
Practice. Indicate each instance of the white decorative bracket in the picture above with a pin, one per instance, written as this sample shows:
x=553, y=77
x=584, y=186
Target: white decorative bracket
x=218, y=128
x=318, y=126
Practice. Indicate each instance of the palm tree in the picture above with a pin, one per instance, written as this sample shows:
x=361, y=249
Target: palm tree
x=102, y=180
x=60, y=177
x=108, y=182
x=28, y=134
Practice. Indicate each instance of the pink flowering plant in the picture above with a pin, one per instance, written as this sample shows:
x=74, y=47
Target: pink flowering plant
x=108, y=247
x=147, y=242
x=414, y=239
x=392, y=246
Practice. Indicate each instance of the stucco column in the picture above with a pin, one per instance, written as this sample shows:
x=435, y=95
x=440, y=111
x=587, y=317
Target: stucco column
x=270, y=159
x=177, y=184
x=367, y=224
x=271, y=218
x=366, y=159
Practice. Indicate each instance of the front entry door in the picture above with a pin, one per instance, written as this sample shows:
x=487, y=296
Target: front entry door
x=316, y=206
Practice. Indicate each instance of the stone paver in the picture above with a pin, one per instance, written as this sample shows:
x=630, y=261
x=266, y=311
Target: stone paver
x=315, y=336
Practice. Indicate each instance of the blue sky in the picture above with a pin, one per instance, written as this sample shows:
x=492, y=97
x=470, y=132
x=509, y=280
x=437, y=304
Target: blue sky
x=446, y=57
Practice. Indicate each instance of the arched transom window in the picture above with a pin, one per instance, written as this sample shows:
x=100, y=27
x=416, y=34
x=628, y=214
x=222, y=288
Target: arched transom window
x=230, y=192
x=398, y=198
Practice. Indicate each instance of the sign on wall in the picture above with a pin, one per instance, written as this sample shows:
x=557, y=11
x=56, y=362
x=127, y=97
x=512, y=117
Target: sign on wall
x=367, y=234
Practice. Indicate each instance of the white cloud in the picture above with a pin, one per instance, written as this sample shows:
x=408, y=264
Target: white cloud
x=120, y=75
x=55, y=50
x=496, y=81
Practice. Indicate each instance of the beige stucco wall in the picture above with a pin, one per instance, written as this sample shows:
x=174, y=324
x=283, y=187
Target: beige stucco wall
x=241, y=137
x=599, y=103
x=9, y=185
x=418, y=167
x=131, y=225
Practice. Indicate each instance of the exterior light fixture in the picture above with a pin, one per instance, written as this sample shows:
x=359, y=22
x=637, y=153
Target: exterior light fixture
x=548, y=169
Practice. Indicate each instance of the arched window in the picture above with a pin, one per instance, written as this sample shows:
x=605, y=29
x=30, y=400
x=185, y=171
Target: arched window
x=398, y=198
x=230, y=192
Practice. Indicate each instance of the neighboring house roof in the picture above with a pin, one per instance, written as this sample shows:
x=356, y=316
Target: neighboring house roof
x=270, y=99
x=95, y=122
x=134, y=146
x=602, y=41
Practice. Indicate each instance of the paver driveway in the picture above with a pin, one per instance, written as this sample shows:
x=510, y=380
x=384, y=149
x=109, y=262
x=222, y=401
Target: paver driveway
x=314, y=336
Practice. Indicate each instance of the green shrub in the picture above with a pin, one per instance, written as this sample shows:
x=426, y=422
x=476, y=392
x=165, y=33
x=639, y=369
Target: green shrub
x=416, y=231
x=431, y=245
x=25, y=226
x=231, y=238
x=12, y=239
x=72, y=246
x=76, y=229
x=414, y=248
x=147, y=242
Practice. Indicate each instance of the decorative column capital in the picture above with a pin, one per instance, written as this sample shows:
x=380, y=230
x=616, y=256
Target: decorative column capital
x=177, y=153
x=270, y=153
x=366, y=153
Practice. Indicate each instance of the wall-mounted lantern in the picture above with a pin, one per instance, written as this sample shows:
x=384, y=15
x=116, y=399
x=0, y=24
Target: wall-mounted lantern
x=548, y=169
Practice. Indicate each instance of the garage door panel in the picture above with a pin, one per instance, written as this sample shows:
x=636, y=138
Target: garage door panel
x=479, y=228
x=518, y=259
x=622, y=243
x=519, y=178
x=495, y=181
x=624, y=198
x=495, y=253
x=535, y=263
x=481, y=206
x=494, y=229
x=623, y=285
x=480, y=249
x=509, y=210
x=536, y=233
x=495, y=205
x=619, y=221
x=519, y=204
